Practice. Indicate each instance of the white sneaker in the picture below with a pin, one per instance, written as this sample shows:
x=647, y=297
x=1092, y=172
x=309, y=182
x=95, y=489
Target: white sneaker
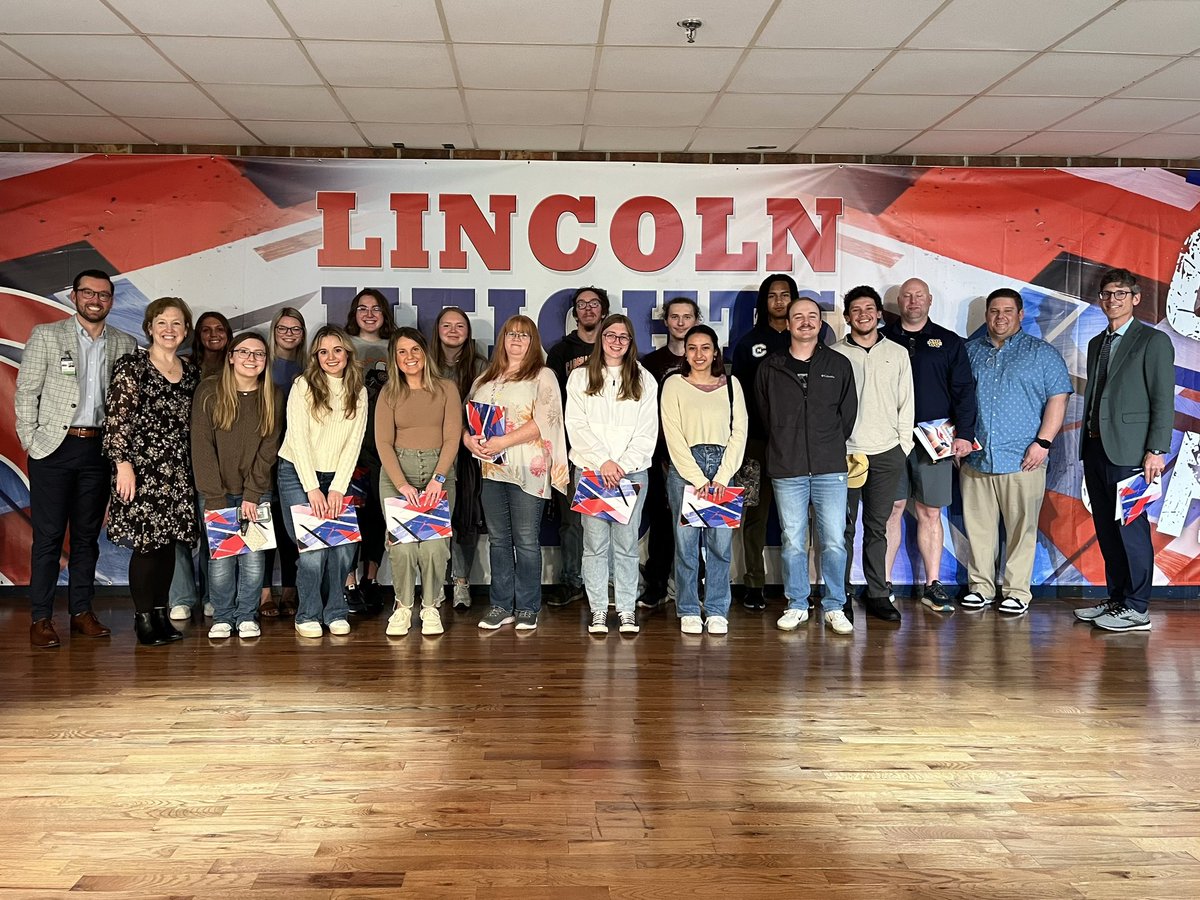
x=181, y=613
x=249, y=630
x=431, y=621
x=209, y=609
x=220, y=630
x=792, y=619
x=629, y=623
x=836, y=619
x=399, y=622
x=599, y=623
x=339, y=626
x=717, y=625
x=462, y=595
x=309, y=629
x=691, y=625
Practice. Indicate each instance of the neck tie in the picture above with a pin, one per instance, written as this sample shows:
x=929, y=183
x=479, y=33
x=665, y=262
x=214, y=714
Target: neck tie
x=1101, y=380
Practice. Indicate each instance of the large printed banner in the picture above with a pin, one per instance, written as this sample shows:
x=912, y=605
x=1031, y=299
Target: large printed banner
x=247, y=236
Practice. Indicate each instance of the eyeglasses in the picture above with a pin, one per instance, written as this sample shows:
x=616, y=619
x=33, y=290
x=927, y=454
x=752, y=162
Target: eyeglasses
x=289, y=329
x=1115, y=295
x=89, y=294
x=360, y=310
x=518, y=336
x=619, y=339
x=243, y=353
x=587, y=304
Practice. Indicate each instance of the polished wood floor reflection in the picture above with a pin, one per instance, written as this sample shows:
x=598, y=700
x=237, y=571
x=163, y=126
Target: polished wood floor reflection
x=969, y=756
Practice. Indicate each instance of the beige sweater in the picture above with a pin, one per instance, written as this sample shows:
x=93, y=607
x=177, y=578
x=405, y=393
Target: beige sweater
x=691, y=416
x=420, y=421
x=328, y=444
x=883, y=377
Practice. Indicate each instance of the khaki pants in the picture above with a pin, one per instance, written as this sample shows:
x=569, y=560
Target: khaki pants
x=1016, y=499
x=430, y=557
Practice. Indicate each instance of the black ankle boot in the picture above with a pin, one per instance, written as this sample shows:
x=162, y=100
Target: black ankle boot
x=147, y=634
x=162, y=624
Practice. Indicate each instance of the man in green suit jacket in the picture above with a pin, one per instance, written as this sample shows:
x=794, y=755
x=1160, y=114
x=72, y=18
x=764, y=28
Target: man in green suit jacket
x=1129, y=413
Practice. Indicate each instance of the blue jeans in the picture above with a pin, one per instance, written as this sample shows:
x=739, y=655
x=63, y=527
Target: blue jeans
x=827, y=494
x=598, y=537
x=717, y=542
x=514, y=521
x=186, y=589
x=234, y=582
x=320, y=574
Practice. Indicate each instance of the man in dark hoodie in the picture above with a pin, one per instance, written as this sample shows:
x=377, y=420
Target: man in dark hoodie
x=589, y=306
x=809, y=405
x=769, y=335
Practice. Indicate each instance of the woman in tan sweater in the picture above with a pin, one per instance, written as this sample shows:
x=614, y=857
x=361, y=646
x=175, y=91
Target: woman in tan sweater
x=418, y=421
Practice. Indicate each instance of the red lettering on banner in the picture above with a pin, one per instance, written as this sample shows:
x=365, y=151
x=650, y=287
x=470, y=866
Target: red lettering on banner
x=668, y=234
x=335, y=250
x=543, y=232
x=410, y=252
x=465, y=218
x=789, y=217
x=714, y=255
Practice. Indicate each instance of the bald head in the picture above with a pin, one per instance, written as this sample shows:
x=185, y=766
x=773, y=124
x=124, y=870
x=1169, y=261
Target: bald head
x=914, y=300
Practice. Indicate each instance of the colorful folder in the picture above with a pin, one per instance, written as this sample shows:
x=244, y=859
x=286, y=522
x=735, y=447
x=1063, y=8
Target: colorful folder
x=230, y=536
x=700, y=511
x=408, y=523
x=615, y=504
x=315, y=533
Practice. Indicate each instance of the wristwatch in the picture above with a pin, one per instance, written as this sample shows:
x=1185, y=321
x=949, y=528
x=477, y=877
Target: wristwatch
x=1158, y=452
x=439, y=478
x=1043, y=443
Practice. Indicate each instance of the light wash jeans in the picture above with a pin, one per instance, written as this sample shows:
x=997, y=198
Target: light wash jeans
x=514, y=520
x=827, y=494
x=235, y=582
x=320, y=574
x=599, y=538
x=186, y=589
x=717, y=542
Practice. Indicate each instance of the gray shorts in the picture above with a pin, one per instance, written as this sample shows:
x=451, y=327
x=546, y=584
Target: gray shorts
x=924, y=480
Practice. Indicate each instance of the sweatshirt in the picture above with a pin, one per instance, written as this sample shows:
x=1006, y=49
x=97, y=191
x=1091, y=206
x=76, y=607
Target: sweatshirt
x=602, y=427
x=883, y=379
x=236, y=462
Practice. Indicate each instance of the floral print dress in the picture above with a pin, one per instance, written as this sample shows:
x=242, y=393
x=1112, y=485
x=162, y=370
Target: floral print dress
x=148, y=425
x=537, y=466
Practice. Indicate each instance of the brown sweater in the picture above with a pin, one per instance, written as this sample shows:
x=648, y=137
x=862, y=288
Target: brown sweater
x=420, y=421
x=237, y=461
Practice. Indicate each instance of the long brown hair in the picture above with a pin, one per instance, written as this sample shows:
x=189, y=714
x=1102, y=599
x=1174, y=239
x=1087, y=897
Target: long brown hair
x=314, y=375
x=534, y=360
x=464, y=370
x=199, y=351
x=396, y=390
x=389, y=324
x=223, y=405
x=292, y=313
x=631, y=373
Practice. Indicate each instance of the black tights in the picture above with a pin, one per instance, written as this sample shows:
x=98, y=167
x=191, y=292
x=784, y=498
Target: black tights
x=150, y=574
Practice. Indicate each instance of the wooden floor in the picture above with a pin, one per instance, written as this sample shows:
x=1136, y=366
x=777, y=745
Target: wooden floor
x=970, y=756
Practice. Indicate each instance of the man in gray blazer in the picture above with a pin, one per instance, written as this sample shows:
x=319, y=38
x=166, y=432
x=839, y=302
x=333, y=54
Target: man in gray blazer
x=1129, y=413
x=59, y=402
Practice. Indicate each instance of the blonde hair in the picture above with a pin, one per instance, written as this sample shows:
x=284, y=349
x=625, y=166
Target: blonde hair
x=292, y=313
x=223, y=408
x=314, y=375
x=397, y=389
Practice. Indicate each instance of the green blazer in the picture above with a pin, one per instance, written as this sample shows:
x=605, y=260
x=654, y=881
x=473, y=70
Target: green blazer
x=1137, y=407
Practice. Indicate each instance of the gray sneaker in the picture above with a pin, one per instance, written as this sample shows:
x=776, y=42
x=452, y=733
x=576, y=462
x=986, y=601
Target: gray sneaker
x=1123, y=619
x=526, y=619
x=1092, y=613
x=496, y=617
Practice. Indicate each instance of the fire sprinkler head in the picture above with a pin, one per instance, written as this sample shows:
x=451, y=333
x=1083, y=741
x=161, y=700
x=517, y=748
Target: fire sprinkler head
x=690, y=26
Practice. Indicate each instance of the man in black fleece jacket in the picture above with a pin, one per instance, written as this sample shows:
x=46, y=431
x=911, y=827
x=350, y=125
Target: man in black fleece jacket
x=809, y=405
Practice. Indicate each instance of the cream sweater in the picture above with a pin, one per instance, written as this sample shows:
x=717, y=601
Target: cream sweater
x=691, y=416
x=883, y=377
x=328, y=444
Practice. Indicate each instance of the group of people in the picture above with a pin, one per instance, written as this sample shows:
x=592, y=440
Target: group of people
x=359, y=415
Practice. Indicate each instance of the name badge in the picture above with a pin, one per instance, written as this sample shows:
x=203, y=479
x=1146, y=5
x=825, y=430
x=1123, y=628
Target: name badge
x=67, y=365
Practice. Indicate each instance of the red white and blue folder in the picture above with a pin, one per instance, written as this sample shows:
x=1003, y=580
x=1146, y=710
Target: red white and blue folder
x=316, y=533
x=615, y=504
x=1134, y=495
x=486, y=420
x=409, y=523
x=701, y=511
x=228, y=535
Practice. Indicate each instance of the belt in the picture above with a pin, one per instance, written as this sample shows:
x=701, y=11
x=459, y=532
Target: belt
x=85, y=432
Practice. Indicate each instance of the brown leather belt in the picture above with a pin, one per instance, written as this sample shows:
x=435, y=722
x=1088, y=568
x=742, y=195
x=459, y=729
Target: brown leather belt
x=85, y=432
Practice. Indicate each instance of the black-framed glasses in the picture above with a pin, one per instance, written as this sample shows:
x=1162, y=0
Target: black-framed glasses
x=619, y=339
x=243, y=353
x=89, y=294
x=289, y=329
x=588, y=304
x=518, y=336
x=1115, y=295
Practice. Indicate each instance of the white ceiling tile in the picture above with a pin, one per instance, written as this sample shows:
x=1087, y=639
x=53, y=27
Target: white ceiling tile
x=383, y=134
x=1191, y=126
x=238, y=18
x=524, y=67
x=1070, y=143
x=430, y=106
x=664, y=68
x=274, y=102
x=1078, y=74
x=312, y=134
x=1131, y=115
x=79, y=129
x=1014, y=113
x=70, y=16
x=12, y=134
x=152, y=100
x=528, y=137
x=653, y=22
x=804, y=71
x=852, y=140
x=43, y=97
x=794, y=111
x=527, y=107
x=192, y=131
x=1018, y=25
x=942, y=141
x=379, y=64
x=942, y=71
x=888, y=111
x=379, y=20
x=479, y=21
x=12, y=66
x=91, y=56
x=239, y=60
x=1180, y=81
x=1163, y=146
x=618, y=108
x=664, y=140
x=739, y=140
x=847, y=23
x=1142, y=26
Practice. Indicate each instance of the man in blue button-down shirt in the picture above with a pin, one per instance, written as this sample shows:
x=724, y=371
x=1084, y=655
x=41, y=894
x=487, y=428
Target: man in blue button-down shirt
x=1022, y=388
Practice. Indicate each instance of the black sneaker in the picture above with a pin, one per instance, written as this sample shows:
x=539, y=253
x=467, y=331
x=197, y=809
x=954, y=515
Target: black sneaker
x=936, y=598
x=651, y=600
x=753, y=599
x=372, y=596
x=355, y=602
x=848, y=609
x=567, y=595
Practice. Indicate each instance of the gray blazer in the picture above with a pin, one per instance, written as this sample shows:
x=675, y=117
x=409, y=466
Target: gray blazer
x=46, y=399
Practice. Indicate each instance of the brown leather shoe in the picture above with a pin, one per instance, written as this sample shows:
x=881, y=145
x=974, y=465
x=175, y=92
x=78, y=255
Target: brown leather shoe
x=42, y=634
x=88, y=625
